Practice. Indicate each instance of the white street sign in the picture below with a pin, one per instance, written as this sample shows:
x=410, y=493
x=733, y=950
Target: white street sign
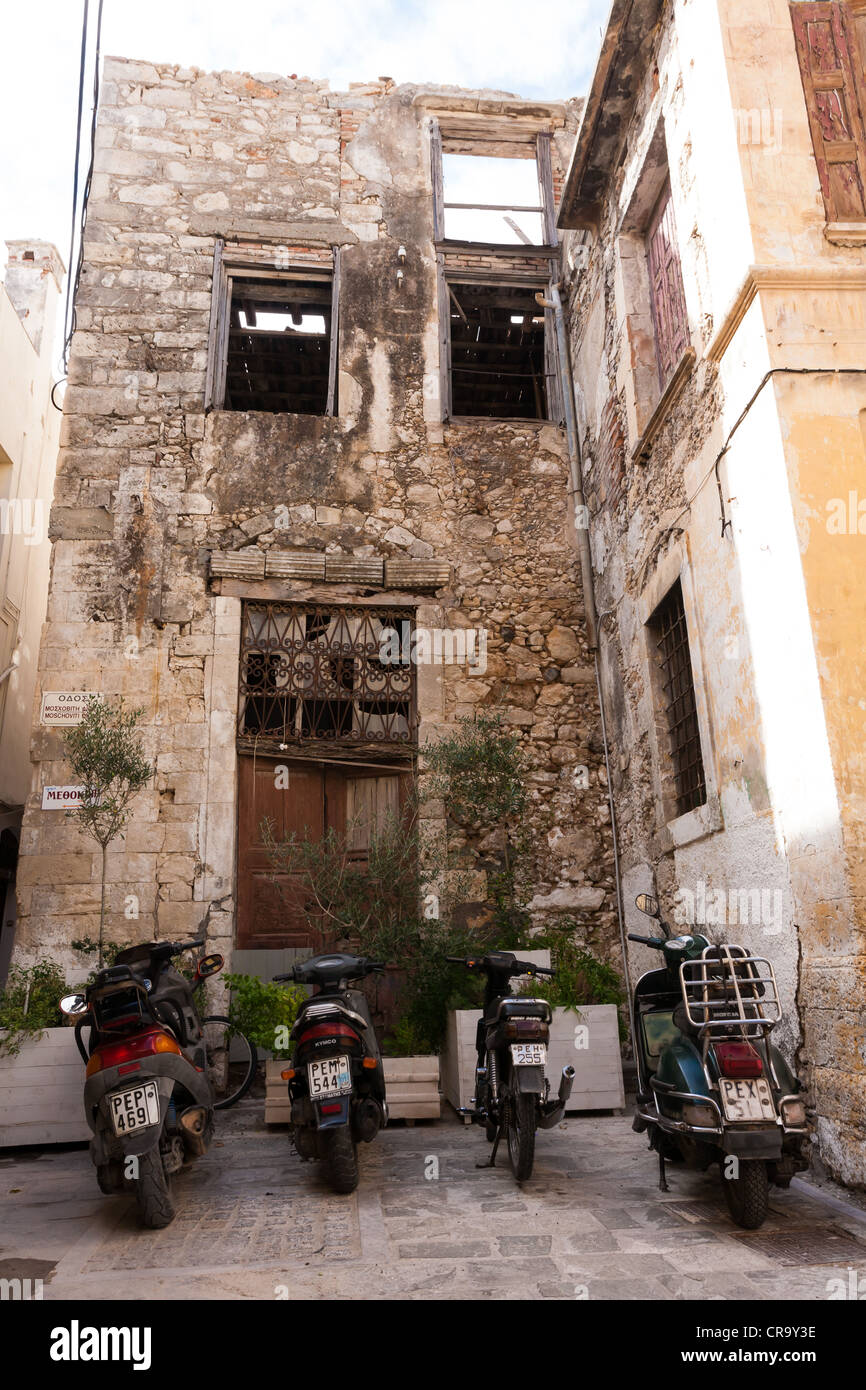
x=66, y=707
x=61, y=798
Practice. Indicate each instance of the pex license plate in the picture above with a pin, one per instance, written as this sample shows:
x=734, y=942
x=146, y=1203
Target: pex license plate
x=136, y=1108
x=528, y=1054
x=747, y=1100
x=330, y=1077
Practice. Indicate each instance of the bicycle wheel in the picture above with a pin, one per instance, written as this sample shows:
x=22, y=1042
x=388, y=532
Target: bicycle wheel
x=231, y=1061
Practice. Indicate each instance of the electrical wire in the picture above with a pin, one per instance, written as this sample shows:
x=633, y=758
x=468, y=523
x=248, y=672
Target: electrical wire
x=78, y=218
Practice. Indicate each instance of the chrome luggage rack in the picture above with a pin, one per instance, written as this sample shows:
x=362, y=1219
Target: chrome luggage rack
x=728, y=990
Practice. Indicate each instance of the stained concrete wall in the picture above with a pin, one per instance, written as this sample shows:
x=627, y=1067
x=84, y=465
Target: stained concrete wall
x=150, y=487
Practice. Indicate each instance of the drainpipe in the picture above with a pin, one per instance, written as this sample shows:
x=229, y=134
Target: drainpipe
x=566, y=381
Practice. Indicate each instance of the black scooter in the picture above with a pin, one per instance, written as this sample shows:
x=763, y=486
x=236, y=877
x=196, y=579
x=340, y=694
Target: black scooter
x=336, y=1079
x=148, y=1096
x=511, y=1090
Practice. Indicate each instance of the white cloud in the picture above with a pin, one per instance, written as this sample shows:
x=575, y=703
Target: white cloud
x=483, y=43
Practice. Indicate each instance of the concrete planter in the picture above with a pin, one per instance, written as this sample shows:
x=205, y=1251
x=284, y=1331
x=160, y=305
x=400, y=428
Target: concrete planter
x=593, y=1052
x=411, y=1089
x=41, y=1092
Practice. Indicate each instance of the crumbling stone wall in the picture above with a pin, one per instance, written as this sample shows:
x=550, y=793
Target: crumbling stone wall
x=151, y=487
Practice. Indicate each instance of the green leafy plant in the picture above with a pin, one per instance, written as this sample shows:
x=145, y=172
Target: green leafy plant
x=264, y=1011
x=87, y=946
x=30, y=1003
x=581, y=978
x=106, y=756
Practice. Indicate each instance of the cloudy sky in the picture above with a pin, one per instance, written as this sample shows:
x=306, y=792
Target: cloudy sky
x=473, y=43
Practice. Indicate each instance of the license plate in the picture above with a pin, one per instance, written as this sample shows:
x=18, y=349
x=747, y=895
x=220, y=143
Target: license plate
x=330, y=1077
x=136, y=1108
x=528, y=1054
x=747, y=1100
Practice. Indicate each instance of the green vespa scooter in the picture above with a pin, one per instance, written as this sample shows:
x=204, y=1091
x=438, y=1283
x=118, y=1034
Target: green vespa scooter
x=711, y=1086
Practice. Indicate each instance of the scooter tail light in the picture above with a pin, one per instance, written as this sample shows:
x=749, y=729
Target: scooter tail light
x=333, y=1108
x=738, y=1060
x=531, y=1029
x=148, y=1044
x=328, y=1030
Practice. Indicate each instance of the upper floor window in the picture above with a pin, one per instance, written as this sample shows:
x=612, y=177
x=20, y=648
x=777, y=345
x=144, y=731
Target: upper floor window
x=492, y=200
x=273, y=338
x=831, y=49
x=667, y=295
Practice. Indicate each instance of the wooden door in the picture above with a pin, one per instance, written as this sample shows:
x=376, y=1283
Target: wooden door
x=306, y=799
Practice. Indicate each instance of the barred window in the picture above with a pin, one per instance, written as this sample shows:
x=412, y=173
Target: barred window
x=677, y=691
x=326, y=674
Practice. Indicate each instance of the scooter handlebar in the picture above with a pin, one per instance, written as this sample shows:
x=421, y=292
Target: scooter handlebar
x=656, y=941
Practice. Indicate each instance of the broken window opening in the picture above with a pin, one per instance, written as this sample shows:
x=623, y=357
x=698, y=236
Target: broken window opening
x=278, y=353
x=492, y=199
x=497, y=352
x=667, y=292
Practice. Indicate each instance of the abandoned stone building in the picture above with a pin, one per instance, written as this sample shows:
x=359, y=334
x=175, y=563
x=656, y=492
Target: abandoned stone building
x=303, y=412
x=324, y=386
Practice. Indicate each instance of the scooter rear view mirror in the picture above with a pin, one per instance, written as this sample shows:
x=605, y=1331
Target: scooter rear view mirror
x=72, y=1005
x=210, y=965
x=647, y=904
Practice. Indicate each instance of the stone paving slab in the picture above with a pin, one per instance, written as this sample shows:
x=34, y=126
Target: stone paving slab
x=254, y=1222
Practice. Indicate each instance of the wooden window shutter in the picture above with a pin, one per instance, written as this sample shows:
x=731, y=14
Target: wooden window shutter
x=545, y=186
x=438, y=186
x=334, y=357
x=219, y=313
x=444, y=305
x=828, y=57
x=667, y=295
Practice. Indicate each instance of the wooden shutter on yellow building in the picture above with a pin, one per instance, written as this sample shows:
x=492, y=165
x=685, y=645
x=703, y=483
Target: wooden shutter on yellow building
x=829, y=61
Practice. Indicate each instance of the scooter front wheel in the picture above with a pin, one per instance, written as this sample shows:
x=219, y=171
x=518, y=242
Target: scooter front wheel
x=341, y=1159
x=153, y=1192
x=748, y=1194
x=520, y=1128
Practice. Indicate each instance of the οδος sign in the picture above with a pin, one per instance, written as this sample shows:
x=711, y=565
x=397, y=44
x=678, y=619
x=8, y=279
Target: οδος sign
x=66, y=707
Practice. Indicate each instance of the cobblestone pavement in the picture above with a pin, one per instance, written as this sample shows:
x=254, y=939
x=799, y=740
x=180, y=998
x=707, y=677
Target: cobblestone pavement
x=255, y=1223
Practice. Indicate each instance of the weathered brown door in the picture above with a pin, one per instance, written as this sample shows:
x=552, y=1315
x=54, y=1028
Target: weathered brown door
x=305, y=798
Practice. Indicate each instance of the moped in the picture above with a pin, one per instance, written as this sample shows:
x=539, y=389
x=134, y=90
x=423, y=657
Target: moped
x=712, y=1087
x=151, y=1069
x=336, y=1078
x=512, y=1094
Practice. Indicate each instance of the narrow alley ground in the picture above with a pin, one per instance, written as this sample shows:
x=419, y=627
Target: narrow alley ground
x=255, y=1223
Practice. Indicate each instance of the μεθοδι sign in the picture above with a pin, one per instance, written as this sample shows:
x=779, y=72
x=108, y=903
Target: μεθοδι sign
x=66, y=707
x=61, y=798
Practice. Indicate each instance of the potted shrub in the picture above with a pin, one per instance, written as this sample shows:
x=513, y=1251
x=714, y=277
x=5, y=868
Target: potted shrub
x=264, y=1012
x=41, y=1072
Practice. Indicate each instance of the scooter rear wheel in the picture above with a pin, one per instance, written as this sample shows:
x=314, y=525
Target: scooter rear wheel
x=341, y=1159
x=520, y=1128
x=748, y=1195
x=153, y=1192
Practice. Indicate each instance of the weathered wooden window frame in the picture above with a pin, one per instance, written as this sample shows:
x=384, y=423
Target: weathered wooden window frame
x=667, y=294
x=847, y=83
x=225, y=272
x=547, y=208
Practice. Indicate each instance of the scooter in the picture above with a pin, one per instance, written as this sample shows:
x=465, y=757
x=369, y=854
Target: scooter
x=147, y=1095
x=712, y=1088
x=512, y=1094
x=336, y=1078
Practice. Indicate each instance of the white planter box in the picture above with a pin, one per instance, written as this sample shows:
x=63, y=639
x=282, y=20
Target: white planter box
x=596, y=1060
x=411, y=1090
x=42, y=1092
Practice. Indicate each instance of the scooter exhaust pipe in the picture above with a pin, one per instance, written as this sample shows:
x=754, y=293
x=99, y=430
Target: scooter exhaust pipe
x=193, y=1123
x=554, y=1114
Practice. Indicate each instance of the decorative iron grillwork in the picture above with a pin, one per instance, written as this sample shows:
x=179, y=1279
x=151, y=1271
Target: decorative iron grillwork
x=672, y=642
x=327, y=674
